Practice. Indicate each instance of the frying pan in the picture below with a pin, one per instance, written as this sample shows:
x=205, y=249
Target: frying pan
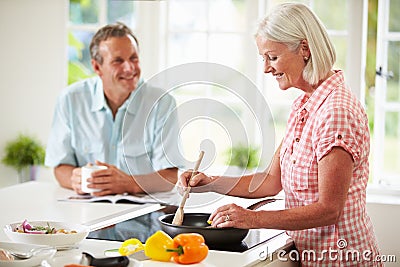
x=197, y=223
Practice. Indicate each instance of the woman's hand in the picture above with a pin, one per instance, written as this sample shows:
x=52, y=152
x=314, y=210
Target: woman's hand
x=197, y=182
x=232, y=215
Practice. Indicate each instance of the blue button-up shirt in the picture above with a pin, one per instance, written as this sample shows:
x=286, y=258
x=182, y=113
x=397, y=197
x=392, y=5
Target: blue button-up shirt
x=142, y=138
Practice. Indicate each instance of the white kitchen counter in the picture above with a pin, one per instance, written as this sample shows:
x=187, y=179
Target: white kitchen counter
x=37, y=201
x=260, y=255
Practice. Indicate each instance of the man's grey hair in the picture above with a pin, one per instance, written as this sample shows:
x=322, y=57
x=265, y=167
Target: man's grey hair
x=112, y=30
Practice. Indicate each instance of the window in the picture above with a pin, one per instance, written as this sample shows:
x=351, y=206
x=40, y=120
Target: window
x=85, y=17
x=387, y=96
x=216, y=31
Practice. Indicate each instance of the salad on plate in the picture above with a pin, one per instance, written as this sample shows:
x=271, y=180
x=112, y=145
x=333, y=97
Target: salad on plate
x=26, y=227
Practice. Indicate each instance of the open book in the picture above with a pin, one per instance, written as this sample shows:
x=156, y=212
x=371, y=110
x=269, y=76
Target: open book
x=164, y=198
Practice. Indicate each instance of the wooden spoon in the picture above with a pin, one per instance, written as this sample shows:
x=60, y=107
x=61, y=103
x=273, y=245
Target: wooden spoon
x=178, y=218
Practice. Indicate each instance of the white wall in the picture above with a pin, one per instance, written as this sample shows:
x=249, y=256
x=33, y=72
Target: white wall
x=386, y=218
x=32, y=69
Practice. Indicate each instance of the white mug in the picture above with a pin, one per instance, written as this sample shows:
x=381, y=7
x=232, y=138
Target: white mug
x=87, y=173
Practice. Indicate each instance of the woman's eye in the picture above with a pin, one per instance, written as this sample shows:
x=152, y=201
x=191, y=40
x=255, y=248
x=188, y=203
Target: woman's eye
x=271, y=58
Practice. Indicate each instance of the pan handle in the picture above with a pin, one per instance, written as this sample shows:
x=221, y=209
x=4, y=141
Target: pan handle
x=261, y=203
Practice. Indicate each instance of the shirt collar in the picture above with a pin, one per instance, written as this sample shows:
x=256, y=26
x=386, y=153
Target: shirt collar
x=99, y=100
x=320, y=94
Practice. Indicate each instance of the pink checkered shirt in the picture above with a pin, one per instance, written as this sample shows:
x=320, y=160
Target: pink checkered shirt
x=331, y=117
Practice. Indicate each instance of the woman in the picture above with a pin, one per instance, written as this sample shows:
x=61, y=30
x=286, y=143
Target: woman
x=322, y=162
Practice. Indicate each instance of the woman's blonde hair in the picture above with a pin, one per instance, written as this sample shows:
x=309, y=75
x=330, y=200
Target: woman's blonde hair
x=291, y=23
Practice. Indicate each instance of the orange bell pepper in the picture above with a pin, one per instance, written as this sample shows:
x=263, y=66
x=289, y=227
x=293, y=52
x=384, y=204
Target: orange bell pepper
x=188, y=248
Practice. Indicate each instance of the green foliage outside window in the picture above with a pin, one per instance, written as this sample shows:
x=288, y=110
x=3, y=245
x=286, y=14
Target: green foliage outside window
x=76, y=70
x=243, y=156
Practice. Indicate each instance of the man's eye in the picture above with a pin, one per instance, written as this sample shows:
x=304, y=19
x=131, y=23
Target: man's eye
x=270, y=58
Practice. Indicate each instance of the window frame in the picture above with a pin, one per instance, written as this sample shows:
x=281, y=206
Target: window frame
x=384, y=36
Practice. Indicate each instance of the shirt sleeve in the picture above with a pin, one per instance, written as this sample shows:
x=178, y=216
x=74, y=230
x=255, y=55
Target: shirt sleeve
x=59, y=149
x=338, y=127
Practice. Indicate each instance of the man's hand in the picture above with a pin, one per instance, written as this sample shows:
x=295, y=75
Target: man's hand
x=115, y=181
x=112, y=181
x=76, y=180
x=69, y=176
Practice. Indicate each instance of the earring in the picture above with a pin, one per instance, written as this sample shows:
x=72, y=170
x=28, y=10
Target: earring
x=305, y=58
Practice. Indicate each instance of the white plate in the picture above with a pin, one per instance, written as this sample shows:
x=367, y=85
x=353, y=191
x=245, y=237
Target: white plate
x=36, y=260
x=55, y=240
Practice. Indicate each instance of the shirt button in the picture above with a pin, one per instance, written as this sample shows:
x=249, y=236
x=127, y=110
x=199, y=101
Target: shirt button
x=297, y=139
x=294, y=161
x=339, y=136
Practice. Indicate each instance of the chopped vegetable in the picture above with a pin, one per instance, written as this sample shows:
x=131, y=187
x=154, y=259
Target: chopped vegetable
x=26, y=227
x=130, y=246
x=156, y=246
x=188, y=248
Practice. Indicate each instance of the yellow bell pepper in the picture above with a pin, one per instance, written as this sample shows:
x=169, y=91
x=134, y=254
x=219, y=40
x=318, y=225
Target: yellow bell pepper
x=130, y=246
x=156, y=246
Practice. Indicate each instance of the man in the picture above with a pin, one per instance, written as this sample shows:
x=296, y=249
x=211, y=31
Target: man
x=117, y=121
